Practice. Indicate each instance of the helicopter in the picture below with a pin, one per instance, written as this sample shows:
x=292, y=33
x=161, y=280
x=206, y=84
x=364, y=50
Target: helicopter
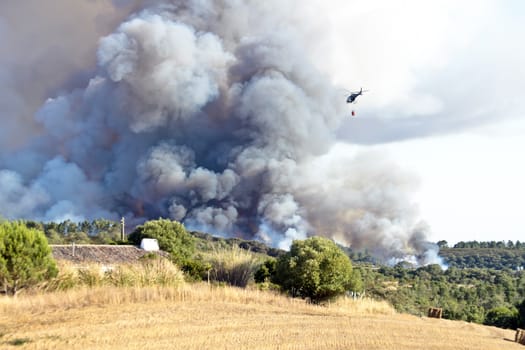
x=353, y=95
x=352, y=98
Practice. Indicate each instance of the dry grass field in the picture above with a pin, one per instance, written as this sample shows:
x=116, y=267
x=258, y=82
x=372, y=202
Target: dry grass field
x=203, y=317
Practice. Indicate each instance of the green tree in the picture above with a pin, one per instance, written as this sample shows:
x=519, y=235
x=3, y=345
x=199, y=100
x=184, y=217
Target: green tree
x=314, y=268
x=171, y=235
x=25, y=257
x=502, y=317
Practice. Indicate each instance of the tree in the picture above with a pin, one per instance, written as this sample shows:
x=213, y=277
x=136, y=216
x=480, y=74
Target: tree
x=502, y=317
x=171, y=235
x=314, y=268
x=442, y=244
x=25, y=257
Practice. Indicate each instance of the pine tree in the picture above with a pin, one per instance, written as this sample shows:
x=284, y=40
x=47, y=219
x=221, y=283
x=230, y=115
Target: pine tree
x=25, y=257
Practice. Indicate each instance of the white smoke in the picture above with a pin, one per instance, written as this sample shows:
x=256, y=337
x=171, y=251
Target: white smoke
x=212, y=113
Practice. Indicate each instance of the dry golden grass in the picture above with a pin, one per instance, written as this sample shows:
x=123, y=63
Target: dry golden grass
x=204, y=317
x=156, y=272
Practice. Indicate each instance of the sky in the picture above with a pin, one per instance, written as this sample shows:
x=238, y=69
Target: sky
x=444, y=104
x=446, y=84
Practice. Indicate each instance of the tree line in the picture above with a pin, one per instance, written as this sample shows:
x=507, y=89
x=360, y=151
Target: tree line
x=99, y=231
x=484, y=244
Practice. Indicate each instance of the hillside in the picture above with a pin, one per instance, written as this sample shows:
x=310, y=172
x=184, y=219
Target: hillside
x=225, y=318
x=491, y=258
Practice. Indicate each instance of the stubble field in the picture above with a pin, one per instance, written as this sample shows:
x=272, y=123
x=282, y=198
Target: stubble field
x=204, y=317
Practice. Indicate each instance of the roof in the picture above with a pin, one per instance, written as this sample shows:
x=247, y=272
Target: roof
x=100, y=253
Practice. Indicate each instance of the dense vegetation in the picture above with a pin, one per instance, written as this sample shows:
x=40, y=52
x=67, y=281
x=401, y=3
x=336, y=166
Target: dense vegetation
x=464, y=294
x=489, y=258
x=484, y=282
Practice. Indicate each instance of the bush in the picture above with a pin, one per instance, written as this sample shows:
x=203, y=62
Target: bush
x=266, y=271
x=25, y=257
x=66, y=279
x=502, y=317
x=314, y=268
x=234, y=266
x=171, y=235
x=196, y=269
x=91, y=275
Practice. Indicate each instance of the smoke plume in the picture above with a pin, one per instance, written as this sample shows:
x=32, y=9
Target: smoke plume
x=212, y=113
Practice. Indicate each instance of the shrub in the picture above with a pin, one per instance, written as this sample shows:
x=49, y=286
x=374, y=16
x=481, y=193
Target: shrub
x=502, y=317
x=196, y=269
x=25, y=257
x=266, y=271
x=234, y=266
x=66, y=279
x=91, y=276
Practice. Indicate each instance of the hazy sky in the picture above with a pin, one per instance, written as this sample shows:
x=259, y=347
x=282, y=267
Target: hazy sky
x=446, y=84
x=446, y=81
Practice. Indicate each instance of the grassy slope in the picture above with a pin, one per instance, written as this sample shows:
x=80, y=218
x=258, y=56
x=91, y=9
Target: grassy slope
x=197, y=317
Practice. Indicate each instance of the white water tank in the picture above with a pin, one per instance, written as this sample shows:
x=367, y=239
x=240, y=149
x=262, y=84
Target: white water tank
x=149, y=244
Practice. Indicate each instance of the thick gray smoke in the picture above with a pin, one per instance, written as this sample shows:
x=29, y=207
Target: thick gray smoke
x=37, y=59
x=211, y=113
